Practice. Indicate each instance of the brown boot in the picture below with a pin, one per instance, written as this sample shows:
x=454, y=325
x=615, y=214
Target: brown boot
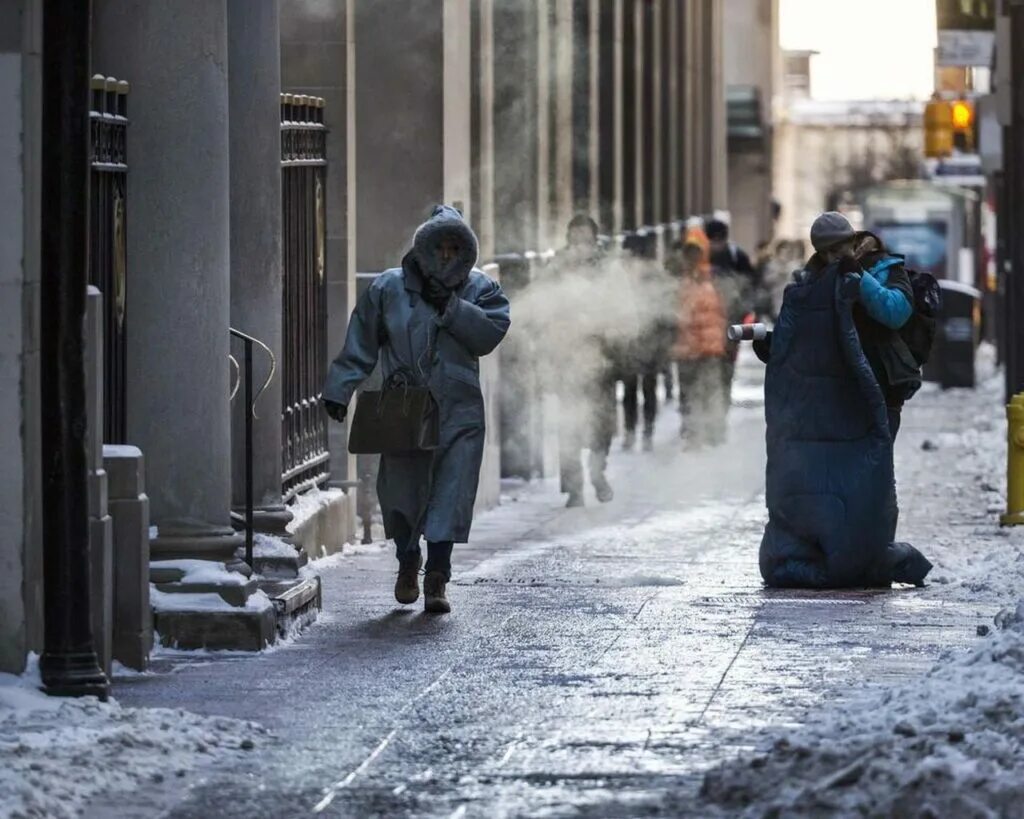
x=434, y=599
x=407, y=586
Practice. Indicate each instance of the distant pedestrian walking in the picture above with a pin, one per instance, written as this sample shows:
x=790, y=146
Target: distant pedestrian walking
x=427, y=323
x=700, y=348
x=649, y=354
x=831, y=490
x=585, y=381
x=740, y=280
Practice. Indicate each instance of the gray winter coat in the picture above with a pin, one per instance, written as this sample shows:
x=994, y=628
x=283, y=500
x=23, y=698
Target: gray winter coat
x=428, y=494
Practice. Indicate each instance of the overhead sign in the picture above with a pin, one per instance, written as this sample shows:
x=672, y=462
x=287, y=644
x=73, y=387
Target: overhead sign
x=966, y=32
x=965, y=48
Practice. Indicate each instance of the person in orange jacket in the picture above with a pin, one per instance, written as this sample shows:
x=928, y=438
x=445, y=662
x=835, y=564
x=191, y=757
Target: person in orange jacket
x=701, y=349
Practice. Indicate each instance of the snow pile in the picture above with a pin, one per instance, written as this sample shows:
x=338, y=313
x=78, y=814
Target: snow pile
x=948, y=744
x=202, y=571
x=57, y=754
x=271, y=546
x=204, y=601
x=308, y=504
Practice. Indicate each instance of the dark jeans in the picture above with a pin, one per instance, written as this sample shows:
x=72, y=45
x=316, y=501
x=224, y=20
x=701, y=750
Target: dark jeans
x=648, y=384
x=895, y=418
x=587, y=422
x=704, y=386
x=439, y=557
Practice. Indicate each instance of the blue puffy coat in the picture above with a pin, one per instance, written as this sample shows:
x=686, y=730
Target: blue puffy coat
x=428, y=494
x=831, y=491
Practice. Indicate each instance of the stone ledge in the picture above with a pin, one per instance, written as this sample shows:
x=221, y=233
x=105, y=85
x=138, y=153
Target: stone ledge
x=296, y=602
x=232, y=595
x=241, y=630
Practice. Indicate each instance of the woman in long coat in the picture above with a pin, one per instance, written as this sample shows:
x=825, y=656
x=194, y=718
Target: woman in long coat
x=428, y=321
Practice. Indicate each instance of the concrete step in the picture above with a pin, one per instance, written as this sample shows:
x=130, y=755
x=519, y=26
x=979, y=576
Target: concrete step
x=296, y=602
x=232, y=595
x=280, y=567
x=237, y=629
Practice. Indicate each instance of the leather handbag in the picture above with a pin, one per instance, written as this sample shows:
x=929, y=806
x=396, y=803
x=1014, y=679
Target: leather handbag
x=397, y=419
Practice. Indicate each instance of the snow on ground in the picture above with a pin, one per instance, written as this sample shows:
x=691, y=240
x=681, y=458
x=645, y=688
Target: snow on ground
x=952, y=742
x=56, y=753
x=954, y=470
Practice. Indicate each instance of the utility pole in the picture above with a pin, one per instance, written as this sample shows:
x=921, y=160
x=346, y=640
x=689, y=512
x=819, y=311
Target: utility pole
x=69, y=665
x=1013, y=151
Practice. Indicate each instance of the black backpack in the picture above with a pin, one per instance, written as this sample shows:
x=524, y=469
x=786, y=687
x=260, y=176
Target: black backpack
x=919, y=331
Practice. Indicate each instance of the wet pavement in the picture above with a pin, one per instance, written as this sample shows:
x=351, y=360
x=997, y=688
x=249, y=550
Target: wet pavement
x=596, y=662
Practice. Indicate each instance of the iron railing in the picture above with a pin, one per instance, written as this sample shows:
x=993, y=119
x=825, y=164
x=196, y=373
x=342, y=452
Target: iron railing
x=245, y=376
x=108, y=270
x=303, y=169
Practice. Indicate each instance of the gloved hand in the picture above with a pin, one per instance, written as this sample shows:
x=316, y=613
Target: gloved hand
x=849, y=288
x=849, y=264
x=763, y=348
x=436, y=294
x=335, y=410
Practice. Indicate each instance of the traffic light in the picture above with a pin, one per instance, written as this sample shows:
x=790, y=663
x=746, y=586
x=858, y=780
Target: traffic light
x=938, y=129
x=962, y=112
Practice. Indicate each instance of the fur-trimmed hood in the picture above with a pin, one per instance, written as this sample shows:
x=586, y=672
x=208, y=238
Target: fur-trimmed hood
x=445, y=221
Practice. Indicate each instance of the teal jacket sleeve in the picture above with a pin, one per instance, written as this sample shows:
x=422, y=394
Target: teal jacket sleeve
x=479, y=325
x=887, y=303
x=358, y=357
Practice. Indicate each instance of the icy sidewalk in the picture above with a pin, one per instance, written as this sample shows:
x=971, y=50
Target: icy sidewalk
x=56, y=754
x=950, y=743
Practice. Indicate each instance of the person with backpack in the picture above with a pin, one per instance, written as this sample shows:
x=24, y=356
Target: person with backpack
x=894, y=320
x=729, y=258
x=838, y=372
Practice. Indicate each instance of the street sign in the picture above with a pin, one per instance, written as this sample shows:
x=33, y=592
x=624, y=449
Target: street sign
x=966, y=32
x=965, y=48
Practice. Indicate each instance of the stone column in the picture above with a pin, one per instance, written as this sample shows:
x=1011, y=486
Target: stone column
x=628, y=115
x=565, y=129
x=515, y=117
x=400, y=170
x=174, y=53
x=254, y=85
x=21, y=78
x=674, y=139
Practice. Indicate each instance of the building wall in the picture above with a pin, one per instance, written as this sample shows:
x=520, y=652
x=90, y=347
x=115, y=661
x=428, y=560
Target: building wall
x=752, y=57
x=814, y=143
x=20, y=513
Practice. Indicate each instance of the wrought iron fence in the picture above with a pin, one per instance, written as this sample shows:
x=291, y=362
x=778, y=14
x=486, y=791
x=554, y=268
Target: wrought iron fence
x=303, y=170
x=108, y=127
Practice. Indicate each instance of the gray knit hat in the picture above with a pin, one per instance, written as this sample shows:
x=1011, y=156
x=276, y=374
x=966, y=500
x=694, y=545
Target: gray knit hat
x=830, y=229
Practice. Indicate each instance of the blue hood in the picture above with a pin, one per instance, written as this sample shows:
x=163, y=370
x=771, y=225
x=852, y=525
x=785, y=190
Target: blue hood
x=445, y=222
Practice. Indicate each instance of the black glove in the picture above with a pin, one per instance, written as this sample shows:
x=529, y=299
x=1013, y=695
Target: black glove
x=849, y=264
x=335, y=410
x=849, y=288
x=763, y=348
x=436, y=294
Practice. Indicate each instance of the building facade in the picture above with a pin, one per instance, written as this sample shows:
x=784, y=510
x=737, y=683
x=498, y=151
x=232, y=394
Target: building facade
x=753, y=73
x=276, y=155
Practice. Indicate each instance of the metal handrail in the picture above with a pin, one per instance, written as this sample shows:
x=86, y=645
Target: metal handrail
x=250, y=413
